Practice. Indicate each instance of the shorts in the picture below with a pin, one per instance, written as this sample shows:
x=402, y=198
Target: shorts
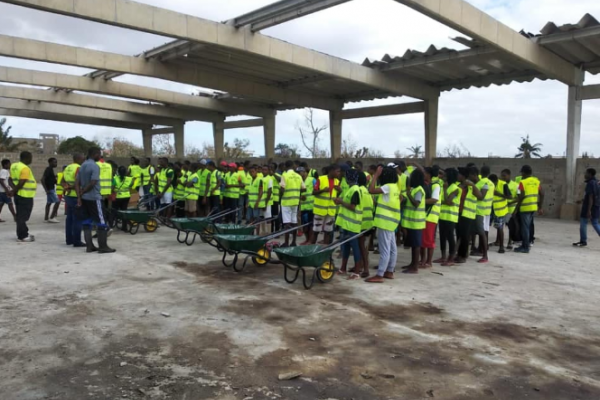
x=507, y=218
x=191, y=205
x=254, y=213
x=52, y=197
x=289, y=215
x=167, y=198
x=93, y=213
x=4, y=199
x=482, y=224
x=429, y=236
x=414, y=238
x=323, y=223
x=268, y=212
x=499, y=222
x=306, y=217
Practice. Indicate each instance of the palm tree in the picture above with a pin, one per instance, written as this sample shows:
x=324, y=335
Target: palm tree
x=415, y=151
x=6, y=139
x=526, y=149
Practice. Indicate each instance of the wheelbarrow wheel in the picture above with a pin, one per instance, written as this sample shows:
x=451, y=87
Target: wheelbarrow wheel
x=118, y=223
x=326, y=272
x=151, y=225
x=134, y=227
x=263, y=257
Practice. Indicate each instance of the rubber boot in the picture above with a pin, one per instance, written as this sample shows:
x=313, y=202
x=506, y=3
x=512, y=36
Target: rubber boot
x=90, y=248
x=102, y=242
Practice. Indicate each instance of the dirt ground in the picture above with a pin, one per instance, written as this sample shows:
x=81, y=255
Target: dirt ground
x=161, y=320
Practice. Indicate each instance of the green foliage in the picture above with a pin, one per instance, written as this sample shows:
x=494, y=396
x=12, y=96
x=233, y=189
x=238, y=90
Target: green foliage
x=76, y=144
x=283, y=150
x=5, y=138
x=526, y=149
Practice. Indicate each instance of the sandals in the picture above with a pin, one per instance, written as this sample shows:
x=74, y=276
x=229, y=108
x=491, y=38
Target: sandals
x=353, y=277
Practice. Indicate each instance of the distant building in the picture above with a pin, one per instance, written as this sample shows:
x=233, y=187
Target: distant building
x=46, y=144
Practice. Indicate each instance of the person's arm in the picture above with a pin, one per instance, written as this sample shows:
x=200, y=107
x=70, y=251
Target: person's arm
x=476, y=192
x=372, y=188
x=449, y=198
x=44, y=180
x=260, y=195
x=414, y=202
x=7, y=189
x=353, y=202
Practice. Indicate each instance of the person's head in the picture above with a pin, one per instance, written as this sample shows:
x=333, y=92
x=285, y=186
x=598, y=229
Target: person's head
x=362, y=179
x=485, y=171
x=526, y=171
x=349, y=163
x=473, y=174
x=417, y=178
x=590, y=173
x=246, y=164
x=113, y=166
x=351, y=177
x=372, y=169
x=94, y=153
x=389, y=175
x=26, y=157
x=163, y=162
x=359, y=166
x=289, y=165
x=252, y=171
x=233, y=167
x=469, y=165
x=333, y=172
x=211, y=166
x=463, y=174
x=52, y=162
x=493, y=178
x=135, y=161
x=122, y=171
x=451, y=176
x=303, y=172
x=505, y=175
x=304, y=165
x=297, y=163
x=401, y=165
x=194, y=167
x=144, y=162
x=435, y=171
x=281, y=167
x=6, y=163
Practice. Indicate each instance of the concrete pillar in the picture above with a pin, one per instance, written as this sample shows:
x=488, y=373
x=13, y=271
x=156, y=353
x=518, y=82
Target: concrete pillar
x=431, y=129
x=219, y=138
x=147, y=138
x=335, y=132
x=269, y=129
x=179, y=133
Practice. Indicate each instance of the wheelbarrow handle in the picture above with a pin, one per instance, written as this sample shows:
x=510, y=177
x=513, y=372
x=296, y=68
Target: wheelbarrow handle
x=338, y=244
x=223, y=213
x=275, y=234
x=262, y=221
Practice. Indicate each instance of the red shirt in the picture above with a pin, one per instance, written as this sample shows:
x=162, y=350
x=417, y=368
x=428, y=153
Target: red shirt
x=331, y=185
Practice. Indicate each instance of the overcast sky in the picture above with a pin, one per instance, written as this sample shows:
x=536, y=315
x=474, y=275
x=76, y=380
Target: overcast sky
x=487, y=121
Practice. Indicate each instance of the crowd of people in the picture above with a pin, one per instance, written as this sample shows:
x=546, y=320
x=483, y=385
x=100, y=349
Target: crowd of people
x=375, y=209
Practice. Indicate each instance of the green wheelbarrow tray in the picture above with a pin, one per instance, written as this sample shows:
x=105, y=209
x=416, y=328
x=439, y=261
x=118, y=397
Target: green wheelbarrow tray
x=239, y=243
x=234, y=229
x=305, y=256
x=190, y=224
x=137, y=216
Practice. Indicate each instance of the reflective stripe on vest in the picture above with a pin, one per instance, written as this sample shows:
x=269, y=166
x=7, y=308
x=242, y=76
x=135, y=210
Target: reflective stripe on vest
x=348, y=219
x=531, y=188
x=366, y=202
x=450, y=213
x=308, y=203
x=470, y=205
x=70, y=175
x=387, y=213
x=254, y=192
x=324, y=204
x=415, y=217
x=123, y=186
x=29, y=188
x=500, y=203
x=484, y=207
x=434, y=212
x=59, y=187
x=291, y=192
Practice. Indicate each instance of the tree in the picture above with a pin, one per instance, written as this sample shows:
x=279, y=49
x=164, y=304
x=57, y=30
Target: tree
x=238, y=150
x=455, y=151
x=76, y=144
x=283, y=150
x=415, y=151
x=163, y=145
x=351, y=150
x=121, y=147
x=310, y=133
x=5, y=138
x=526, y=149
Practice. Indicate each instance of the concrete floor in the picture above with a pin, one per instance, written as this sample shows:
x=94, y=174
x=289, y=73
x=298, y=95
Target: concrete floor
x=78, y=326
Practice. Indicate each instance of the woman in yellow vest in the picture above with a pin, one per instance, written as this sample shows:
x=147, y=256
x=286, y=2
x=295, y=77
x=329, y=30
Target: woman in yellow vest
x=24, y=188
x=326, y=189
x=414, y=218
x=349, y=219
x=367, y=204
x=307, y=203
x=510, y=220
x=122, y=185
x=257, y=197
x=500, y=210
x=291, y=186
x=468, y=214
x=386, y=220
x=449, y=214
x=432, y=208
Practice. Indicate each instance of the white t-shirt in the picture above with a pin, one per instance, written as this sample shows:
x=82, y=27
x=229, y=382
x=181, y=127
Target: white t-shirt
x=419, y=196
x=386, y=193
x=282, y=183
x=4, y=176
x=435, y=194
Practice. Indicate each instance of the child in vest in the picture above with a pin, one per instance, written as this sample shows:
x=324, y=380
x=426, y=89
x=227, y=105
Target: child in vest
x=349, y=220
x=414, y=219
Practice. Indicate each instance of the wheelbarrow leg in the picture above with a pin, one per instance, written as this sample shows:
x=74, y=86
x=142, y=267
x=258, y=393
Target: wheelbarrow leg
x=285, y=274
x=237, y=269
x=235, y=258
x=309, y=285
x=179, y=237
x=193, y=238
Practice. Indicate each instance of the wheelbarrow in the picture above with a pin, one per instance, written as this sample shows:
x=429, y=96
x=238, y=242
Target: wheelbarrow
x=192, y=227
x=208, y=235
x=149, y=219
x=254, y=247
x=295, y=260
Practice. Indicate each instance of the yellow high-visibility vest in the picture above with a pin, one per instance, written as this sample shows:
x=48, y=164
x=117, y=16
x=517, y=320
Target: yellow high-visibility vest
x=105, y=178
x=415, y=217
x=500, y=203
x=434, y=213
x=59, y=187
x=470, y=205
x=450, y=213
x=162, y=180
x=309, y=203
x=324, y=204
x=387, y=213
x=29, y=188
x=70, y=175
x=293, y=187
x=367, y=204
x=531, y=187
x=348, y=219
x=123, y=186
x=484, y=207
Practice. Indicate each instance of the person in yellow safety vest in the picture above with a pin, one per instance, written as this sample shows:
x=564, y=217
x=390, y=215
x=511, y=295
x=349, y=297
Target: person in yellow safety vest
x=73, y=224
x=179, y=194
x=292, y=186
x=276, y=208
x=510, y=219
x=349, y=219
x=403, y=178
x=307, y=204
x=257, y=197
x=147, y=172
x=386, y=220
x=48, y=182
x=203, y=177
x=449, y=214
x=246, y=179
x=106, y=178
x=484, y=210
x=433, y=207
x=468, y=213
x=414, y=219
x=368, y=209
x=24, y=188
x=192, y=191
x=500, y=210
x=326, y=190
x=234, y=183
x=164, y=185
x=531, y=200
x=135, y=171
x=213, y=191
x=269, y=183
x=5, y=189
x=122, y=185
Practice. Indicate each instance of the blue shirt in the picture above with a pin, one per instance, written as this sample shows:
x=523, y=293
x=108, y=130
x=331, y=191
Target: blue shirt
x=89, y=171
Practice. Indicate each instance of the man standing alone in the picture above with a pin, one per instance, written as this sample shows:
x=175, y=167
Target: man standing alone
x=590, y=207
x=24, y=188
x=49, y=184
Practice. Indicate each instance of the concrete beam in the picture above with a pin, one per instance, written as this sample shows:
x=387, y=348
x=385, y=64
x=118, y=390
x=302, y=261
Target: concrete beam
x=382, y=111
x=269, y=132
x=179, y=140
x=126, y=90
x=83, y=112
x=431, y=130
x=147, y=138
x=219, y=139
x=589, y=92
x=465, y=18
x=575, y=109
x=247, y=123
x=131, y=15
x=335, y=132
x=162, y=131
x=103, y=103
x=69, y=119
x=36, y=50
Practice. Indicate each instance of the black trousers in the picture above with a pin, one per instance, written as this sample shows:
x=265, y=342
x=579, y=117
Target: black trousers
x=466, y=228
x=447, y=230
x=121, y=204
x=24, y=207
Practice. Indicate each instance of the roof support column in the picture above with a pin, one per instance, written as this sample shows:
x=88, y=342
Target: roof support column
x=335, y=132
x=147, y=137
x=269, y=129
x=573, y=138
x=179, y=133
x=431, y=129
x=219, y=138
